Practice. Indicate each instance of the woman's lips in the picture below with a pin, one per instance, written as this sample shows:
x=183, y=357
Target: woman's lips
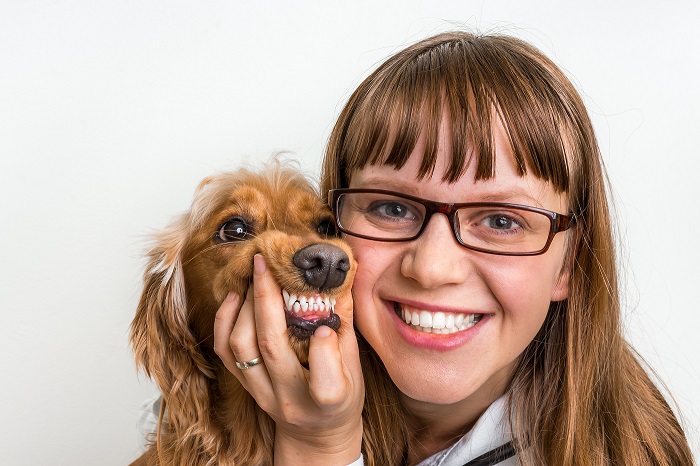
x=440, y=330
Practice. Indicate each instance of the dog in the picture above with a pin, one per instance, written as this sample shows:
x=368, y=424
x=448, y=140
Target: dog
x=207, y=417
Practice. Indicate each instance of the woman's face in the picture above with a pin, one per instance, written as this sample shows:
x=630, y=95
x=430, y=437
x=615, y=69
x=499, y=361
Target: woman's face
x=434, y=273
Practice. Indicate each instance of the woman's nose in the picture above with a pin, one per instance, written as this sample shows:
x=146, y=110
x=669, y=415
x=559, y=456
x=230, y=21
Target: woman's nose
x=435, y=258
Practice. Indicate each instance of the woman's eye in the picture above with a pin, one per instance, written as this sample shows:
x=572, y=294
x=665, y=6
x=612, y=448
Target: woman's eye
x=326, y=227
x=236, y=229
x=392, y=209
x=500, y=222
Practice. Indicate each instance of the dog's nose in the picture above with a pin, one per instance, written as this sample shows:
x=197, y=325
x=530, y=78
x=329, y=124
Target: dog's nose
x=323, y=266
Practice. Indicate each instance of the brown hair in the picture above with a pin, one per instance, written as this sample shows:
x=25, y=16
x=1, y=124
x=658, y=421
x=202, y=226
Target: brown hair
x=579, y=395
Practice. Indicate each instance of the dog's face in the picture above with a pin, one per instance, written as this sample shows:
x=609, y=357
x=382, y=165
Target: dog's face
x=278, y=215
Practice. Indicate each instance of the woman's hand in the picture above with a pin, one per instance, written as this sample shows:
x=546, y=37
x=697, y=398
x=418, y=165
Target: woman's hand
x=317, y=412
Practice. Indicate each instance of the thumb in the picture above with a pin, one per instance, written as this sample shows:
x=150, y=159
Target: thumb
x=344, y=309
x=329, y=384
x=346, y=332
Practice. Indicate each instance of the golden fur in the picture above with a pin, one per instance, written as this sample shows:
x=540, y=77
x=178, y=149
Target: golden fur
x=207, y=417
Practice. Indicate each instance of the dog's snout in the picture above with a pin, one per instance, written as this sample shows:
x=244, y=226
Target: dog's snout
x=323, y=266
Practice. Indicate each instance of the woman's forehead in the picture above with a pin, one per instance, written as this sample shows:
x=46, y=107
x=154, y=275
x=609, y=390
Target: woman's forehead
x=503, y=161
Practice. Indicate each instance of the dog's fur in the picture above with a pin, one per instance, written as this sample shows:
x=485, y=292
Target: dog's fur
x=207, y=418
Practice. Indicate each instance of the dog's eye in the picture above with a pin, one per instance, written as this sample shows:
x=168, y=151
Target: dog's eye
x=236, y=229
x=326, y=227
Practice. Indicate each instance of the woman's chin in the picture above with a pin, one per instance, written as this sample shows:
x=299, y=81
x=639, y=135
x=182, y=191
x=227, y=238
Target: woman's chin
x=429, y=389
x=436, y=385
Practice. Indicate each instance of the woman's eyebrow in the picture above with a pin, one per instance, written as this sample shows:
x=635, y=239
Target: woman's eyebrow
x=513, y=194
x=508, y=195
x=389, y=183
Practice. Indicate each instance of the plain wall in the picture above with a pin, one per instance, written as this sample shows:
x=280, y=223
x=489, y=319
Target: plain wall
x=112, y=111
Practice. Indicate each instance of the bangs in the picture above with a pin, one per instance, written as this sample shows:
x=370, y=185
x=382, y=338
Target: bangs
x=471, y=80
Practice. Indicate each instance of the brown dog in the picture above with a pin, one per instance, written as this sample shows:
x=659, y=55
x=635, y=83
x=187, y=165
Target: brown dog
x=207, y=418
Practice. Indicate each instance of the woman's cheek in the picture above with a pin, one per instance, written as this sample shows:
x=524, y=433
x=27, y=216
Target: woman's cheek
x=520, y=291
x=367, y=275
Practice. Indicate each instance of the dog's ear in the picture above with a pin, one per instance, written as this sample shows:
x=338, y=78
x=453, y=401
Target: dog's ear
x=164, y=346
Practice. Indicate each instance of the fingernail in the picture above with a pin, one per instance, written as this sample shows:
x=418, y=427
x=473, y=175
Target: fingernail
x=259, y=265
x=323, y=331
x=231, y=297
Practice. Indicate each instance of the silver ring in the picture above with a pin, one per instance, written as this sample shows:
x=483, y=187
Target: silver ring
x=248, y=364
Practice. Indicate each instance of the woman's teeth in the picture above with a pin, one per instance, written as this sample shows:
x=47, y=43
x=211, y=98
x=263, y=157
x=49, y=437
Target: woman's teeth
x=437, y=322
x=299, y=304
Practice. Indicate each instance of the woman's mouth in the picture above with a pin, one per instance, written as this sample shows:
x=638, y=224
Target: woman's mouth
x=436, y=322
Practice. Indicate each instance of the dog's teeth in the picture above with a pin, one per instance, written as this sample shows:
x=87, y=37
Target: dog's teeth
x=307, y=304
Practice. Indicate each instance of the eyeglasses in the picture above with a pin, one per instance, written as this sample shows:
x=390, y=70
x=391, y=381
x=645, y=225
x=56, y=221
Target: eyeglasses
x=490, y=227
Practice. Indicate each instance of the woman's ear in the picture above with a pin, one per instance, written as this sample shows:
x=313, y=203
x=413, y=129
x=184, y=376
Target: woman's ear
x=560, y=290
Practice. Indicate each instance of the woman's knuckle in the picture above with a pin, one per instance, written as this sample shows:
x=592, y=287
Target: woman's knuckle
x=238, y=345
x=268, y=342
x=331, y=395
x=328, y=399
x=290, y=413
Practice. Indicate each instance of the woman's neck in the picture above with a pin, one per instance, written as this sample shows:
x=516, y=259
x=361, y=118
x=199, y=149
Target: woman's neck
x=435, y=427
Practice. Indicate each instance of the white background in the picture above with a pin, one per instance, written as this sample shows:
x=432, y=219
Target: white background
x=111, y=112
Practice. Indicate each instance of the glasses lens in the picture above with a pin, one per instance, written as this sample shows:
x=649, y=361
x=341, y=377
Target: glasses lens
x=503, y=229
x=380, y=216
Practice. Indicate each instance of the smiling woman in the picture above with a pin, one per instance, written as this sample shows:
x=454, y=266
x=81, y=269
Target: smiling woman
x=465, y=175
x=433, y=275
x=463, y=118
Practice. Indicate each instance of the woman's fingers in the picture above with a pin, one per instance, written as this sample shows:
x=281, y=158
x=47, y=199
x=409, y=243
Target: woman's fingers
x=243, y=339
x=235, y=342
x=271, y=324
x=223, y=326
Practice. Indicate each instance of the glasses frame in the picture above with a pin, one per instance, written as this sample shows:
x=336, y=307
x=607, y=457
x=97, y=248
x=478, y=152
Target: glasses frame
x=558, y=222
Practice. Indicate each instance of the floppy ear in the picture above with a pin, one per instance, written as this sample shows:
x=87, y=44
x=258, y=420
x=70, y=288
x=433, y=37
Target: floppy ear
x=164, y=346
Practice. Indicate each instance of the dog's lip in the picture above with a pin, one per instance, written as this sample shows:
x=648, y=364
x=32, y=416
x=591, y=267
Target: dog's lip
x=303, y=329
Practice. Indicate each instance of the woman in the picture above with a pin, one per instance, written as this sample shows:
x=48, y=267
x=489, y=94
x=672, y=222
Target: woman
x=486, y=296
